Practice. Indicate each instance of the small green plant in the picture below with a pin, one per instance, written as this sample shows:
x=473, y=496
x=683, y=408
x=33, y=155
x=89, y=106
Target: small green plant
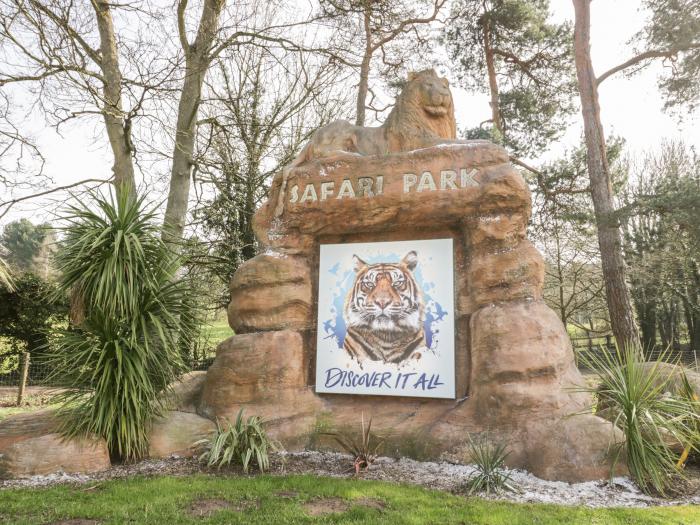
x=489, y=459
x=641, y=402
x=243, y=442
x=364, y=449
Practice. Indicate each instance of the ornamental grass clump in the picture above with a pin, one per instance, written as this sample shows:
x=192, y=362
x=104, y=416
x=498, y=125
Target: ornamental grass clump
x=489, y=459
x=364, y=448
x=121, y=352
x=243, y=443
x=640, y=400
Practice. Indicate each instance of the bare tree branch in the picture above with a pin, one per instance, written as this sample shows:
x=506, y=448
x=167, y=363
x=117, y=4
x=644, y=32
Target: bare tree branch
x=7, y=205
x=646, y=55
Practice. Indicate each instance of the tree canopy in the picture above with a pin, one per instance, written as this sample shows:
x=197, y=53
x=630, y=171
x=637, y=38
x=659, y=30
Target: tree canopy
x=511, y=50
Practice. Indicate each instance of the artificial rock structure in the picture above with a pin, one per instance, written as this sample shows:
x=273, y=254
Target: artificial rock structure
x=408, y=179
x=515, y=369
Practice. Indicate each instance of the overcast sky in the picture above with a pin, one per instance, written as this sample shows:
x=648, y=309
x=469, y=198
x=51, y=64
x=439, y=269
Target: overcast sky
x=631, y=108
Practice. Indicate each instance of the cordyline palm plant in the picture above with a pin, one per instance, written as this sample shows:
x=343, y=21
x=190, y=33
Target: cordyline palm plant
x=122, y=354
x=643, y=405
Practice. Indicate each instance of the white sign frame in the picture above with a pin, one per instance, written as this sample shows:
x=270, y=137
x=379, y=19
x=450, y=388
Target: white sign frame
x=430, y=370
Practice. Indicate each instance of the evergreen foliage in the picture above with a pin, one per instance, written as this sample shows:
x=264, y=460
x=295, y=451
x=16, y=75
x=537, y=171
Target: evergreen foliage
x=244, y=442
x=674, y=29
x=129, y=306
x=491, y=475
x=650, y=416
x=21, y=241
x=532, y=80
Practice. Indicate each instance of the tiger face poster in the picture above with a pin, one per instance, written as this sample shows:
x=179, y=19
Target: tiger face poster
x=386, y=319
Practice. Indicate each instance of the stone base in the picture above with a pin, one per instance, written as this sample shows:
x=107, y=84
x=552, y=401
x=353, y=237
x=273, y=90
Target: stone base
x=184, y=395
x=30, y=447
x=515, y=374
x=523, y=379
x=176, y=432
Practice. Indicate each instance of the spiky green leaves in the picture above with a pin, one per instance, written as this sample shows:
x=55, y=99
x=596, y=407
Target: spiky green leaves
x=641, y=402
x=244, y=442
x=123, y=352
x=5, y=276
x=489, y=459
x=364, y=448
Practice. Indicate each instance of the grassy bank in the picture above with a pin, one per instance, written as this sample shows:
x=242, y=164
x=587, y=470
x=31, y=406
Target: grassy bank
x=296, y=499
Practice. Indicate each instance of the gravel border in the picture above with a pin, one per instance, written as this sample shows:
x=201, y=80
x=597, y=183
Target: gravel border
x=622, y=492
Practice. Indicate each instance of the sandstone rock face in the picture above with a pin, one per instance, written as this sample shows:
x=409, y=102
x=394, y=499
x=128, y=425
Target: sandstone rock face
x=186, y=393
x=506, y=275
x=514, y=366
x=522, y=362
x=264, y=374
x=30, y=447
x=271, y=292
x=176, y=432
x=524, y=380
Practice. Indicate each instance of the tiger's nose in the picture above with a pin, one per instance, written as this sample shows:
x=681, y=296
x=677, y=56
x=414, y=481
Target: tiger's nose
x=382, y=303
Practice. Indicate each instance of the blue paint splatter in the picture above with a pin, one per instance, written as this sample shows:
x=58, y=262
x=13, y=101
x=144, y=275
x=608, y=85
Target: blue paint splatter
x=335, y=327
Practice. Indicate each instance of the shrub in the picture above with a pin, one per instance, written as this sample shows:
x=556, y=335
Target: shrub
x=28, y=311
x=364, y=448
x=241, y=443
x=643, y=406
x=128, y=305
x=489, y=460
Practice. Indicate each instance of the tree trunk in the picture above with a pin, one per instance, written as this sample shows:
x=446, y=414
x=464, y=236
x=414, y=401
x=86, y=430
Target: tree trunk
x=23, y=376
x=664, y=327
x=645, y=305
x=117, y=127
x=197, y=61
x=493, y=84
x=609, y=240
x=363, y=86
x=560, y=283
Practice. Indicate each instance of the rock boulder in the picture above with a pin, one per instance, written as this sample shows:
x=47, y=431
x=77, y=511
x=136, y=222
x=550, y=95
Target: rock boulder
x=176, y=432
x=30, y=446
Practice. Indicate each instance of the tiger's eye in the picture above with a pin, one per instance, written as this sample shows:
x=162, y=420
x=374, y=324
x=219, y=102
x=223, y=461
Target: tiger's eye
x=367, y=286
x=400, y=284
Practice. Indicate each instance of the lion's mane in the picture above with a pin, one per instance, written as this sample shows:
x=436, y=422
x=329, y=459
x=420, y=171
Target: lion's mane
x=408, y=125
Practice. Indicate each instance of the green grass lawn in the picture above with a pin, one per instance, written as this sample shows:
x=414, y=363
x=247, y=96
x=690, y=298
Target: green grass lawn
x=216, y=331
x=271, y=500
x=6, y=411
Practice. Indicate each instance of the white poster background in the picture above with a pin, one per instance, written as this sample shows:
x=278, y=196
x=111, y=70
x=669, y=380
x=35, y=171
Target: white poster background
x=433, y=374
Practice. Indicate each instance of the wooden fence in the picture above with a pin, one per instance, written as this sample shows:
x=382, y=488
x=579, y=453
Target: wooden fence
x=606, y=343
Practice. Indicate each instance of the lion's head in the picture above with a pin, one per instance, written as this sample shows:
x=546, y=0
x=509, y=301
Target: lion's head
x=425, y=104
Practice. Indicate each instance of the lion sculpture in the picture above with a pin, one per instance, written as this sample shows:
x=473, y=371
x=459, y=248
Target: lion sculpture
x=423, y=116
